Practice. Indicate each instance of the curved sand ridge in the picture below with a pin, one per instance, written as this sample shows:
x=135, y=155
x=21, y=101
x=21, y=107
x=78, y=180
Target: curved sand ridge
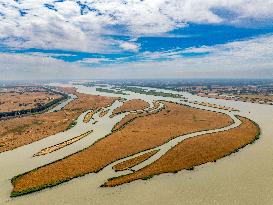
x=62, y=144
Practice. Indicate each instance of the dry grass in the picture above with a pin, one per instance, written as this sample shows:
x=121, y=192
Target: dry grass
x=256, y=98
x=20, y=101
x=134, y=161
x=17, y=132
x=131, y=105
x=125, y=120
x=213, y=105
x=142, y=134
x=130, y=117
x=103, y=113
x=62, y=144
x=196, y=151
x=88, y=117
x=261, y=99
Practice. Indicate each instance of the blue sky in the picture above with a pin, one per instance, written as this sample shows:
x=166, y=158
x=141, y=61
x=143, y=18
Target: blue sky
x=47, y=39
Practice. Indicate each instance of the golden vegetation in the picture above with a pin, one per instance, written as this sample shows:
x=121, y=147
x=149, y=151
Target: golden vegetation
x=142, y=134
x=62, y=144
x=130, y=117
x=131, y=105
x=103, y=113
x=195, y=151
x=88, y=117
x=17, y=132
x=14, y=101
x=134, y=161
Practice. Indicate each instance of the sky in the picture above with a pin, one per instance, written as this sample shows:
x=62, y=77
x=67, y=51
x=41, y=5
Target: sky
x=101, y=39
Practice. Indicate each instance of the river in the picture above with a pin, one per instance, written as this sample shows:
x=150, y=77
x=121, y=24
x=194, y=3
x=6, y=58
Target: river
x=245, y=177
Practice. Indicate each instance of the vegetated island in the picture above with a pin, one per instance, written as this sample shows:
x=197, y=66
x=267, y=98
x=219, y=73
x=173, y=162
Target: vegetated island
x=134, y=161
x=105, y=90
x=196, y=151
x=151, y=92
x=62, y=144
x=131, y=105
x=143, y=133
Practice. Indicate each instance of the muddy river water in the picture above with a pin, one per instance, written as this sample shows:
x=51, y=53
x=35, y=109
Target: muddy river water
x=245, y=177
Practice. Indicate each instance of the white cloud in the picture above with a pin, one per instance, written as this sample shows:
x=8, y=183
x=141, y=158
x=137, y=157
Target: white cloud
x=94, y=60
x=130, y=46
x=65, y=28
x=250, y=58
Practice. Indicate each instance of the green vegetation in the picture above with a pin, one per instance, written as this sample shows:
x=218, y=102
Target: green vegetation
x=90, y=84
x=190, y=168
x=19, y=129
x=148, y=177
x=39, y=108
x=105, y=90
x=94, y=122
x=71, y=125
x=151, y=92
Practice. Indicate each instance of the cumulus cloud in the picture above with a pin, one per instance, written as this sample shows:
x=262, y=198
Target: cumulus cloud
x=85, y=25
x=129, y=46
x=113, y=26
x=249, y=58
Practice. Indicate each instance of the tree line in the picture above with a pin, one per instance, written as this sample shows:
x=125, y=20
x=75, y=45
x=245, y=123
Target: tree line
x=37, y=109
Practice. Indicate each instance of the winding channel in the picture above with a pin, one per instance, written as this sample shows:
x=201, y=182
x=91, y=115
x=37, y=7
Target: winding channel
x=21, y=159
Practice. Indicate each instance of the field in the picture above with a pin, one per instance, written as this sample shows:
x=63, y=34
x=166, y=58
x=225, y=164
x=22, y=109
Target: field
x=24, y=130
x=27, y=100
